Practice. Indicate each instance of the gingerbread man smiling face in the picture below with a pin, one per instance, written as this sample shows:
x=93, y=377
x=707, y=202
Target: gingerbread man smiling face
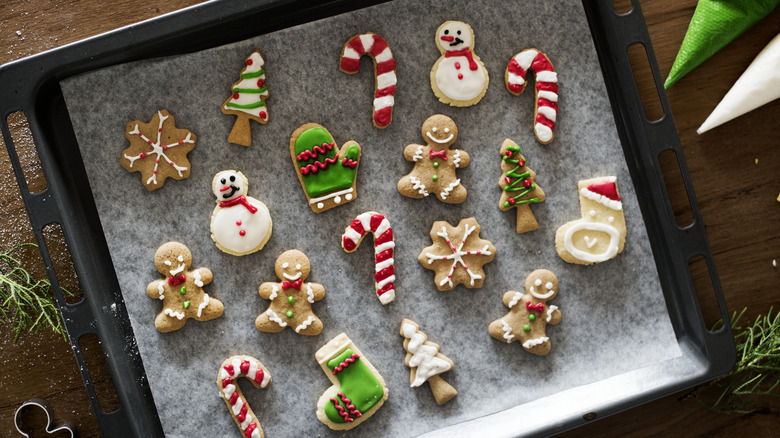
x=435, y=163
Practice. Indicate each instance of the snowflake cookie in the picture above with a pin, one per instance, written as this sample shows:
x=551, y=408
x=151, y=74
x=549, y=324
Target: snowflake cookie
x=182, y=290
x=457, y=254
x=158, y=150
x=426, y=362
x=529, y=313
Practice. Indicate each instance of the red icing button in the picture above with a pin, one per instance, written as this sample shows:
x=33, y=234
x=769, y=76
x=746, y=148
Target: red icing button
x=460, y=76
x=457, y=65
x=235, y=95
x=527, y=183
x=263, y=115
x=238, y=223
x=242, y=233
x=248, y=62
x=260, y=83
x=512, y=201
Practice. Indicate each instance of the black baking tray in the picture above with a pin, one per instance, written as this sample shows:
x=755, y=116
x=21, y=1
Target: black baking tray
x=31, y=85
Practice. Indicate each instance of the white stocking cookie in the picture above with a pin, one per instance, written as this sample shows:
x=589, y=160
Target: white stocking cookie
x=458, y=78
x=601, y=232
x=240, y=224
x=426, y=362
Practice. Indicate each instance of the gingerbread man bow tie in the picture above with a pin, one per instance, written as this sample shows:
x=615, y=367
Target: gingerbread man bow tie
x=441, y=154
x=539, y=307
x=286, y=284
x=173, y=281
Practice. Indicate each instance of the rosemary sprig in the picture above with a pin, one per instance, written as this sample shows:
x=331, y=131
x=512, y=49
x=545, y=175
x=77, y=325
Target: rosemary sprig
x=25, y=302
x=757, y=371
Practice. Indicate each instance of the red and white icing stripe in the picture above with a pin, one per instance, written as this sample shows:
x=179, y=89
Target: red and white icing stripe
x=231, y=370
x=383, y=249
x=604, y=193
x=546, y=89
x=384, y=71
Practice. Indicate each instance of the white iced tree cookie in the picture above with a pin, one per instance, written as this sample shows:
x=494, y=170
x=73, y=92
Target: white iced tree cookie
x=247, y=100
x=240, y=224
x=458, y=78
x=426, y=362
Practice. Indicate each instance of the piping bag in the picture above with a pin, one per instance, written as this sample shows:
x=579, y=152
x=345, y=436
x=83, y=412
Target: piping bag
x=715, y=24
x=759, y=84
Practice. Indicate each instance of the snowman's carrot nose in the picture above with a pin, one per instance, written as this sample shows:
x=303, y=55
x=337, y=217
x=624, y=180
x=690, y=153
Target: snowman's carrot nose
x=448, y=38
x=224, y=188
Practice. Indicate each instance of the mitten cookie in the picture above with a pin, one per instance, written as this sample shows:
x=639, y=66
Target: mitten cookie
x=358, y=390
x=444, y=257
x=240, y=224
x=326, y=173
x=458, y=78
x=426, y=362
x=158, y=150
x=518, y=187
x=182, y=290
x=435, y=163
x=529, y=313
x=601, y=232
x=247, y=100
x=231, y=370
x=291, y=299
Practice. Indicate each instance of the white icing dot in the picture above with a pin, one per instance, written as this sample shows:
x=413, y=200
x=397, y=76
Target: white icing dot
x=168, y=262
x=611, y=219
x=337, y=199
x=446, y=130
x=320, y=205
x=349, y=196
x=548, y=285
x=298, y=266
x=538, y=282
x=435, y=129
x=180, y=258
x=285, y=265
x=593, y=212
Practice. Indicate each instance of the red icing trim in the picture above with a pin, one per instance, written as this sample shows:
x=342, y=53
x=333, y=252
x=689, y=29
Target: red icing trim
x=607, y=189
x=384, y=116
x=376, y=220
x=315, y=151
x=550, y=103
x=387, y=91
x=358, y=226
x=387, y=287
x=541, y=63
x=465, y=52
x=348, y=162
x=240, y=200
x=357, y=45
x=341, y=410
x=259, y=375
x=244, y=367
x=540, y=118
x=379, y=45
x=242, y=414
x=347, y=362
x=539, y=307
x=249, y=429
x=348, y=244
x=515, y=68
x=226, y=382
x=348, y=403
x=547, y=86
x=384, y=273
x=387, y=236
x=384, y=255
x=175, y=281
x=234, y=398
x=317, y=165
x=351, y=65
x=385, y=66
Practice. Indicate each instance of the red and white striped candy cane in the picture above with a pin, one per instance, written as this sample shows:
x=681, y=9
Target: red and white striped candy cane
x=233, y=368
x=383, y=248
x=384, y=71
x=546, y=110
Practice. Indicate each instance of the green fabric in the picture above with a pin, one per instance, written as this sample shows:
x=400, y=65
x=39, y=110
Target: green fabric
x=357, y=383
x=715, y=24
x=334, y=176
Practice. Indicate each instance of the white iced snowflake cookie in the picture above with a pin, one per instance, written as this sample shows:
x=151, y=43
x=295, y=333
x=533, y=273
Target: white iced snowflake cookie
x=240, y=224
x=458, y=77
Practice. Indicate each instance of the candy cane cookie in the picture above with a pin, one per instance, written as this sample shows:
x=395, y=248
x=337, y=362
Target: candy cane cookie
x=377, y=48
x=231, y=369
x=384, y=245
x=546, y=107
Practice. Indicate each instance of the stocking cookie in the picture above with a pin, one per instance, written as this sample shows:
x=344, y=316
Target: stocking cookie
x=291, y=299
x=247, y=100
x=158, y=150
x=601, y=232
x=529, y=313
x=240, y=224
x=426, y=362
x=455, y=248
x=435, y=163
x=458, y=78
x=231, y=370
x=518, y=187
x=358, y=390
x=326, y=173
x=182, y=290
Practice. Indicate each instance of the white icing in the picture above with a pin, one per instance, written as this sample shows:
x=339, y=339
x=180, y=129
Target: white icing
x=334, y=351
x=541, y=296
x=266, y=379
x=328, y=196
x=246, y=422
x=418, y=154
x=386, y=80
x=256, y=226
x=298, y=266
x=418, y=185
x=385, y=246
x=275, y=318
x=168, y=263
x=457, y=255
x=274, y=290
x=434, y=129
x=514, y=79
x=203, y=304
x=543, y=132
x=470, y=86
x=611, y=251
x=171, y=313
x=229, y=389
x=384, y=264
x=305, y=324
x=250, y=98
x=252, y=369
x=547, y=76
x=549, y=95
x=534, y=342
x=423, y=356
x=349, y=52
x=515, y=299
x=449, y=189
x=198, y=279
x=159, y=150
x=180, y=258
x=549, y=285
x=292, y=277
x=526, y=58
x=507, y=331
x=436, y=140
x=589, y=243
x=161, y=289
x=383, y=283
x=384, y=55
x=223, y=374
x=367, y=40
x=236, y=367
x=285, y=265
x=177, y=270
x=383, y=226
x=256, y=434
x=383, y=102
x=237, y=407
x=320, y=205
x=592, y=212
x=538, y=282
x=550, y=311
x=309, y=293
x=456, y=158
x=547, y=111
x=611, y=219
x=387, y=296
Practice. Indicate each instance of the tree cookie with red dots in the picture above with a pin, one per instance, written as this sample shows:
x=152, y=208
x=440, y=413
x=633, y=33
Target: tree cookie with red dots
x=518, y=186
x=248, y=100
x=457, y=254
x=182, y=290
x=291, y=299
x=158, y=150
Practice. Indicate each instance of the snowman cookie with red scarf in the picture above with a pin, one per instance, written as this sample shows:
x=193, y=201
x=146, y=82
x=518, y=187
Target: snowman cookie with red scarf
x=458, y=78
x=240, y=224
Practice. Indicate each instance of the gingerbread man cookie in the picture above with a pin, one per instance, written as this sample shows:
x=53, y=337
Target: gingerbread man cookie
x=291, y=299
x=435, y=163
x=529, y=313
x=182, y=290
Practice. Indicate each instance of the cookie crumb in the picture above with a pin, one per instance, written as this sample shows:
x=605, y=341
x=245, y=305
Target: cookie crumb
x=778, y=197
x=756, y=160
x=18, y=33
x=774, y=263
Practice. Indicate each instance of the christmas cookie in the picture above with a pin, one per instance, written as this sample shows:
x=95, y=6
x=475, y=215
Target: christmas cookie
x=227, y=381
x=518, y=186
x=529, y=313
x=384, y=246
x=601, y=232
x=326, y=172
x=182, y=290
x=291, y=299
x=458, y=78
x=158, y=150
x=240, y=224
x=377, y=48
x=426, y=362
x=248, y=100
x=435, y=163
x=445, y=258
x=358, y=390
x=546, y=107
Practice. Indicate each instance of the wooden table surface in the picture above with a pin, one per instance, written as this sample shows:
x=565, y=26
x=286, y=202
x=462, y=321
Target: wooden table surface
x=735, y=171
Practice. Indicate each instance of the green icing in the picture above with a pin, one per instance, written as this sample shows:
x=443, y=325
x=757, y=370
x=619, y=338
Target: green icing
x=250, y=90
x=333, y=177
x=358, y=384
x=517, y=184
x=247, y=106
x=253, y=74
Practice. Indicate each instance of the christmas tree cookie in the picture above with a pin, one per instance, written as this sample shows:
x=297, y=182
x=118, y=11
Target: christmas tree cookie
x=518, y=187
x=358, y=390
x=426, y=362
x=247, y=100
x=529, y=313
x=327, y=173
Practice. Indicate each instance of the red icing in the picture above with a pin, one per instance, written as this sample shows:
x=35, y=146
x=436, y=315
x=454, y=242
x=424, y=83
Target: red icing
x=465, y=52
x=286, y=284
x=242, y=233
x=240, y=200
x=263, y=115
x=249, y=61
x=235, y=95
x=387, y=236
x=376, y=220
x=387, y=91
x=259, y=375
x=143, y=155
x=356, y=45
x=351, y=65
x=229, y=369
x=260, y=82
x=317, y=165
x=348, y=244
x=386, y=66
x=460, y=76
x=238, y=223
x=448, y=38
x=348, y=162
x=174, y=281
x=244, y=367
x=457, y=66
x=315, y=151
x=547, y=86
x=527, y=183
x=515, y=68
x=541, y=63
x=234, y=398
x=379, y=45
x=348, y=403
x=347, y=362
x=550, y=103
x=384, y=115
x=387, y=287
x=607, y=189
x=539, y=307
x=249, y=429
x=512, y=201
x=540, y=118
x=242, y=414
x=227, y=382
x=357, y=225
x=384, y=273
x=441, y=154
x=384, y=255
x=341, y=410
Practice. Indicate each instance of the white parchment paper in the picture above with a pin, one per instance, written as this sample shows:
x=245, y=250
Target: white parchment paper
x=614, y=316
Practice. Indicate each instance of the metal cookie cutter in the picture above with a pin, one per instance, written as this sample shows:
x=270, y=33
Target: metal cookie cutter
x=25, y=430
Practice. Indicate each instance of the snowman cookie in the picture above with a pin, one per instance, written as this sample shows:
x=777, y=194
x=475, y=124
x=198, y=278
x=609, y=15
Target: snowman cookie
x=240, y=224
x=458, y=78
x=291, y=299
x=182, y=290
x=435, y=163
